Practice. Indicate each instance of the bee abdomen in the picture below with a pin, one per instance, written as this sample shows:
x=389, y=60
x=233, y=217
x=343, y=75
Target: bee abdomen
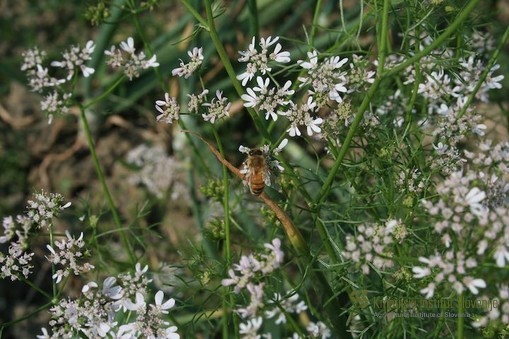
x=256, y=185
x=257, y=190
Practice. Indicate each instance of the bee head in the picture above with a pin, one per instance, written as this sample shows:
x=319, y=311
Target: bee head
x=255, y=151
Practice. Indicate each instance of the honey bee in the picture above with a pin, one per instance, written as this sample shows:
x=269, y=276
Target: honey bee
x=260, y=165
x=256, y=171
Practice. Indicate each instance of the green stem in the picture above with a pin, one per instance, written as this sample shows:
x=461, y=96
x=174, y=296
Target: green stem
x=260, y=126
x=26, y=316
x=461, y=318
x=196, y=15
x=104, y=94
x=316, y=16
x=106, y=191
x=227, y=241
x=35, y=287
x=253, y=18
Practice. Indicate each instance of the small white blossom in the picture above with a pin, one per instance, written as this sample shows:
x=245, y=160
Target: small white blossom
x=324, y=77
x=127, y=58
x=68, y=252
x=163, y=307
x=75, y=58
x=169, y=109
x=301, y=115
x=473, y=284
x=186, y=70
x=318, y=330
x=249, y=330
x=258, y=62
x=217, y=109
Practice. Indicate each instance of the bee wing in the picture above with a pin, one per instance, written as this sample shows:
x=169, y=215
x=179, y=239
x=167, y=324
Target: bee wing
x=244, y=169
x=267, y=177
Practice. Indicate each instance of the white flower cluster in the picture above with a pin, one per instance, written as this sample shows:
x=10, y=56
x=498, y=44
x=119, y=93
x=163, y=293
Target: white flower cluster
x=249, y=267
x=247, y=275
x=217, y=109
x=471, y=213
x=186, y=70
x=57, y=98
x=127, y=58
x=75, y=58
x=68, y=252
x=259, y=61
x=373, y=245
x=451, y=268
x=113, y=311
x=45, y=207
x=324, y=80
x=16, y=231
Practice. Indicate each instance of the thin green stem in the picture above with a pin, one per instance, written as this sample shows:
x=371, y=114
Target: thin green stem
x=35, y=287
x=106, y=191
x=260, y=126
x=196, y=15
x=461, y=318
x=227, y=241
x=26, y=316
x=253, y=18
x=383, y=38
x=316, y=17
x=104, y=94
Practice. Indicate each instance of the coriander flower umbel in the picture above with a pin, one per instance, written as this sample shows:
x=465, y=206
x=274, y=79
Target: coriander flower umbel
x=75, y=58
x=127, y=58
x=301, y=115
x=169, y=109
x=451, y=269
x=68, y=252
x=16, y=263
x=186, y=70
x=372, y=245
x=284, y=306
x=256, y=293
x=44, y=207
x=259, y=61
x=324, y=77
x=251, y=327
x=253, y=266
x=195, y=101
x=318, y=330
x=470, y=76
x=149, y=320
x=268, y=99
x=40, y=79
x=53, y=104
x=217, y=108
x=32, y=58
